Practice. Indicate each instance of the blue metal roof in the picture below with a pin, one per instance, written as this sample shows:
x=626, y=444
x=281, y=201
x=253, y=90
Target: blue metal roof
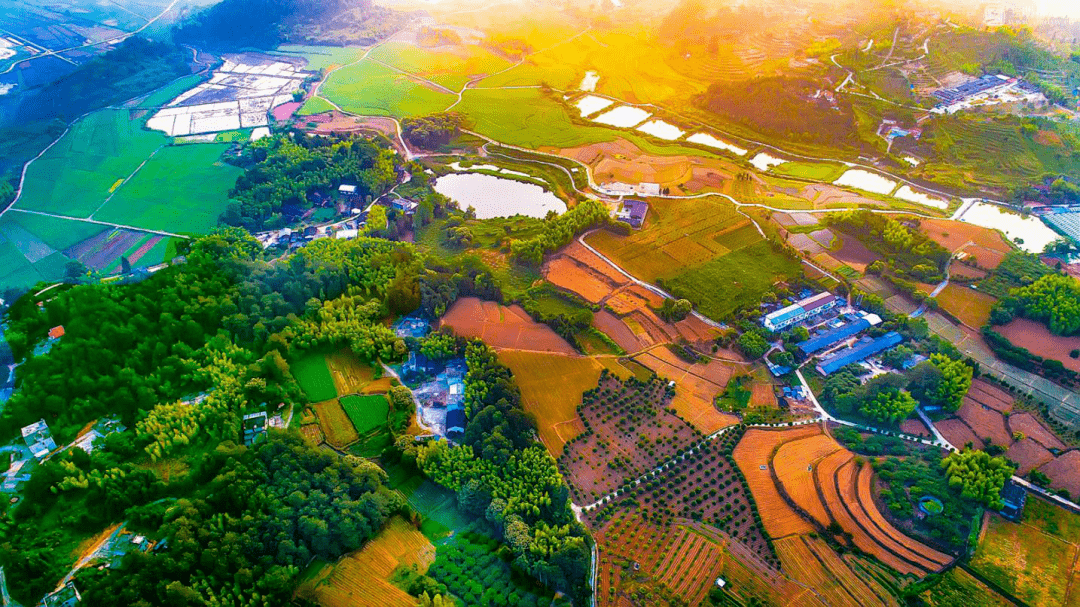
x=816, y=344
x=784, y=314
x=859, y=352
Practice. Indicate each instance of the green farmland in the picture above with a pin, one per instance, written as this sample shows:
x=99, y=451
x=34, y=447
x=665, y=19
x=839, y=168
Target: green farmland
x=181, y=189
x=366, y=412
x=375, y=89
x=314, y=377
x=76, y=175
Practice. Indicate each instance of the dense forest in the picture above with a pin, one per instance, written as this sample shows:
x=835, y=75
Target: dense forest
x=1053, y=299
x=784, y=107
x=233, y=24
x=287, y=174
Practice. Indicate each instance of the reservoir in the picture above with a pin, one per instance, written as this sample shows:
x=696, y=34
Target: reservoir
x=496, y=197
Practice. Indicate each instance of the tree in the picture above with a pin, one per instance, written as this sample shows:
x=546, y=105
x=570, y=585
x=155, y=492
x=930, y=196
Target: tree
x=897, y=356
x=889, y=406
x=753, y=345
x=978, y=476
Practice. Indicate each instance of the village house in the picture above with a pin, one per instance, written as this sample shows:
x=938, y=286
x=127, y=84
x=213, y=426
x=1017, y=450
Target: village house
x=255, y=425
x=633, y=212
x=39, y=439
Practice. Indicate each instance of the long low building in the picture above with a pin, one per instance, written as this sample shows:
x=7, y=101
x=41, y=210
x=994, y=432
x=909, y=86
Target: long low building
x=799, y=311
x=834, y=336
x=859, y=352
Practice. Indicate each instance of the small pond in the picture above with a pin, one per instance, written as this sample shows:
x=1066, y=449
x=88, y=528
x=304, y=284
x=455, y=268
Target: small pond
x=497, y=197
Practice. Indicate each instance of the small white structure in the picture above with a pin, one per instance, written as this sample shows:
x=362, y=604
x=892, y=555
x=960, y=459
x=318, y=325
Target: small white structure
x=720, y=583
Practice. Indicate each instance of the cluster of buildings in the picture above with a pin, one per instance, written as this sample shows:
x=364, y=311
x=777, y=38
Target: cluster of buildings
x=440, y=393
x=833, y=337
x=984, y=91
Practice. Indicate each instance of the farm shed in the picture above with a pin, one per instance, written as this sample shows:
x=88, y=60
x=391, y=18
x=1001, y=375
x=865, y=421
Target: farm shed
x=859, y=352
x=800, y=310
x=834, y=336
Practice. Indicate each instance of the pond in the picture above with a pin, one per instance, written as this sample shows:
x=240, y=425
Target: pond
x=763, y=161
x=497, y=197
x=713, y=142
x=624, y=116
x=865, y=180
x=661, y=129
x=1031, y=234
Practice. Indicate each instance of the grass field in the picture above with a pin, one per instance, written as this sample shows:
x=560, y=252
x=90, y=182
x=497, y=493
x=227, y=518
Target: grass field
x=958, y=588
x=733, y=281
x=813, y=171
x=321, y=57
x=366, y=413
x=551, y=388
x=677, y=234
x=314, y=105
x=314, y=377
x=181, y=189
x=30, y=246
x=1034, y=560
x=74, y=176
x=373, y=89
x=437, y=504
x=527, y=118
x=450, y=68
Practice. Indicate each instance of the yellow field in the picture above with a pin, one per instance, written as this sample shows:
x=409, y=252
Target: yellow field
x=335, y=423
x=350, y=375
x=551, y=388
x=362, y=578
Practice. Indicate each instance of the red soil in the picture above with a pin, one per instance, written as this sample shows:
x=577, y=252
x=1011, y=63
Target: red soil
x=1062, y=472
x=987, y=246
x=502, y=327
x=914, y=426
x=1028, y=455
x=1032, y=428
x=1039, y=340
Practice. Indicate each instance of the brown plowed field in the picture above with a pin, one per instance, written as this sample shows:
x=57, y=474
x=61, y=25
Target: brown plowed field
x=1062, y=472
x=988, y=247
x=971, y=307
x=920, y=553
x=1039, y=340
x=1028, y=455
x=617, y=330
x=1032, y=428
x=763, y=395
x=958, y=433
x=959, y=270
x=691, y=566
x=752, y=456
x=854, y=253
x=991, y=396
x=566, y=273
x=865, y=535
x=794, y=464
x=502, y=327
x=555, y=409
x=335, y=424
x=985, y=422
x=811, y=562
x=914, y=426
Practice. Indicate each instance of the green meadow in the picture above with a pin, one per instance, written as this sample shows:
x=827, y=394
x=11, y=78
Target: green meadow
x=182, y=189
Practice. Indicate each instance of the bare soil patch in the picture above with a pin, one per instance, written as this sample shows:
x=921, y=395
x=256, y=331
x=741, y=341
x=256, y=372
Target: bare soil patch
x=987, y=246
x=1039, y=340
x=502, y=327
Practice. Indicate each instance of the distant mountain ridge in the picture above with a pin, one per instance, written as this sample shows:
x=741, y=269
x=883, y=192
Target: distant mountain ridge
x=267, y=23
